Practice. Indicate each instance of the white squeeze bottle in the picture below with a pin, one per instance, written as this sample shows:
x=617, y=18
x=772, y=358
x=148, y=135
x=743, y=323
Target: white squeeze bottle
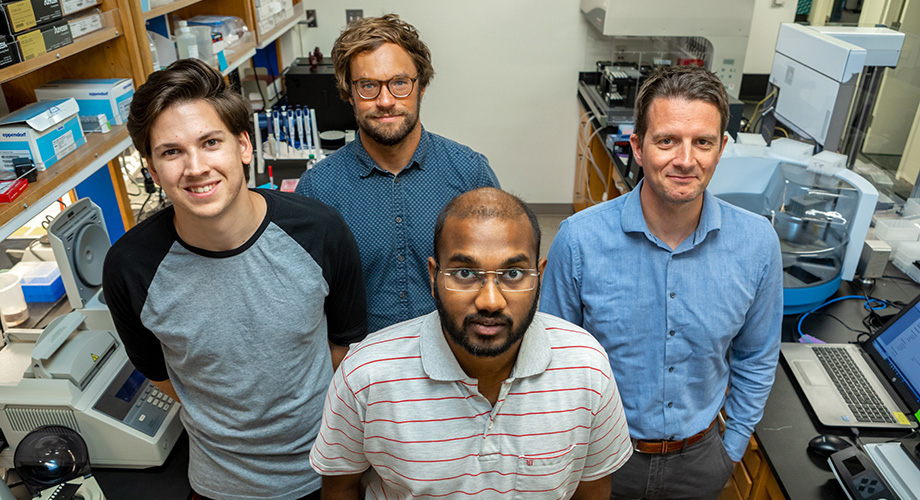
x=186, y=42
x=153, y=53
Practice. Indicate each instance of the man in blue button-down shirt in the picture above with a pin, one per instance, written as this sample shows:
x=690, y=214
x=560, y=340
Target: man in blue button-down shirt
x=683, y=290
x=391, y=182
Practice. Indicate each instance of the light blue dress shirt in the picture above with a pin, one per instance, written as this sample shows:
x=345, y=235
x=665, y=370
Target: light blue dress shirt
x=393, y=217
x=679, y=326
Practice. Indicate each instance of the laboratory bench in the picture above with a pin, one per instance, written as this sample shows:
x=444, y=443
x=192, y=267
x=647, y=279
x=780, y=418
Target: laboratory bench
x=788, y=422
x=168, y=481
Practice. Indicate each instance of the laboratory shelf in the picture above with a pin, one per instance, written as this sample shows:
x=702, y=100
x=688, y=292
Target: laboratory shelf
x=63, y=176
x=266, y=39
x=245, y=51
x=112, y=28
x=170, y=7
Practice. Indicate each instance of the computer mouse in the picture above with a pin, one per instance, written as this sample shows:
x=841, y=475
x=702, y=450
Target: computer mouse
x=826, y=445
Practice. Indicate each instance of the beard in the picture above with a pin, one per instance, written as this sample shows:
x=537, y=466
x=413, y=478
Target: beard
x=388, y=136
x=463, y=336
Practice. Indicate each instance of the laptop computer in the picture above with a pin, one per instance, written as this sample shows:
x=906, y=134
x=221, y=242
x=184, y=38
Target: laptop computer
x=875, y=384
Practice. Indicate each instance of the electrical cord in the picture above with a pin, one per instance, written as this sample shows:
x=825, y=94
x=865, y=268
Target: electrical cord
x=757, y=121
x=31, y=248
x=879, y=305
x=909, y=435
x=756, y=108
x=842, y=323
x=588, y=155
x=908, y=280
x=271, y=72
x=259, y=86
x=125, y=174
x=140, y=213
x=856, y=440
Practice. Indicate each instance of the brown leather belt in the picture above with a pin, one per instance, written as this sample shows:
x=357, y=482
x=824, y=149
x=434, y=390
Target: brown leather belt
x=662, y=447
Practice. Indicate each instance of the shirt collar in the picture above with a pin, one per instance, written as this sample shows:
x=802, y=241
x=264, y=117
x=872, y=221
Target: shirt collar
x=368, y=165
x=633, y=221
x=440, y=363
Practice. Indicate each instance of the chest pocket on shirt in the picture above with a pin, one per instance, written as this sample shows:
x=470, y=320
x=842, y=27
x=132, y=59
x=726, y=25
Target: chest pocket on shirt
x=545, y=475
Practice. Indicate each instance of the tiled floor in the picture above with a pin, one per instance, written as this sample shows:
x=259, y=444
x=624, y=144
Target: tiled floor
x=549, y=224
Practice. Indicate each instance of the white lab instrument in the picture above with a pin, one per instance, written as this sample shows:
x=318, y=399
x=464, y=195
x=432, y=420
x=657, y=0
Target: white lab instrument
x=717, y=30
x=80, y=241
x=81, y=378
x=820, y=213
x=815, y=72
x=76, y=372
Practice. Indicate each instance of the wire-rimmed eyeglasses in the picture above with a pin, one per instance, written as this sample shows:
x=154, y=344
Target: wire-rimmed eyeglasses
x=465, y=279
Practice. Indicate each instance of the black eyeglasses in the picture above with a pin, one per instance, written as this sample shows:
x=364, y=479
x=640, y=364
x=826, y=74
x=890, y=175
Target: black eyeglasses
x=399, y=87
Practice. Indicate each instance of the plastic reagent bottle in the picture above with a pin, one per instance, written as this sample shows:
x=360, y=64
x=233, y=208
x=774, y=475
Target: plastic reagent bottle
x=154, y=55
x=186, y=43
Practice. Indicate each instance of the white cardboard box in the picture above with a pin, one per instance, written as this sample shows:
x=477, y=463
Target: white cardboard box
x=103, y=102
x=45, y=131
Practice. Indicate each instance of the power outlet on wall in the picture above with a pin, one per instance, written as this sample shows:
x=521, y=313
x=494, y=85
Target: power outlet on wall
x=353, y=15
x=311, y=18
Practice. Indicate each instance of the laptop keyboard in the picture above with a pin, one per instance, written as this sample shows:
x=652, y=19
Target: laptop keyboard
x=864, y=403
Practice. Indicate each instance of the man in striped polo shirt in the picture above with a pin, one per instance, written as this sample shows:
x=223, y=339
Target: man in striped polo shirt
x=484, y=397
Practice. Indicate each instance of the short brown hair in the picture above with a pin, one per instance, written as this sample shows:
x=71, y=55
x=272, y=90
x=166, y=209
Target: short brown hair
x=183, y=81
x=691, y=83
x=365, y=35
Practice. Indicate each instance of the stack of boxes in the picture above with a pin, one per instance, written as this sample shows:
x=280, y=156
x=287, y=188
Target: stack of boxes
x=902, y=236
x=271, y=13
x=43, y=131
x=46, y=131
x=103, y=102
x=29, y=28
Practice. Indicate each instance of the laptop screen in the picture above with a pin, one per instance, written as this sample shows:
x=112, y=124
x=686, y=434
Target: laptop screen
x=898, y=347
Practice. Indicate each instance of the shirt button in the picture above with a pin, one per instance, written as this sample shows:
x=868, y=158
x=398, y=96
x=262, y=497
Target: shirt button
x=400, y=258
x=402, y=295
x=672, y=293
x=670, y=404
x=396, y=180
x=671, y=333
x=671, y=369
x=399, y=219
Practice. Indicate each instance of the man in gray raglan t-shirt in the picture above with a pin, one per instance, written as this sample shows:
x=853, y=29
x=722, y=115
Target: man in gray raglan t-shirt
x=238, y=303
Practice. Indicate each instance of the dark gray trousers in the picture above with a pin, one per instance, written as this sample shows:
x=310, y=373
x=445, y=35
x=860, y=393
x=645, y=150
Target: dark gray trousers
x=699, y=471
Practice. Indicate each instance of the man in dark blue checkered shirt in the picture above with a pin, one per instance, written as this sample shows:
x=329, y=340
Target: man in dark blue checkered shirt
x=391, y=182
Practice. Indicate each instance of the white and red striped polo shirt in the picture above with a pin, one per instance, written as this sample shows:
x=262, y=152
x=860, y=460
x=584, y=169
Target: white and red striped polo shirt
x=400, y=405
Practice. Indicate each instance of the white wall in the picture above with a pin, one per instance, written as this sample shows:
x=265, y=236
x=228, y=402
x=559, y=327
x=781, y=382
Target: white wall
x=525, y=57
x=505, y=80
x=764, y=28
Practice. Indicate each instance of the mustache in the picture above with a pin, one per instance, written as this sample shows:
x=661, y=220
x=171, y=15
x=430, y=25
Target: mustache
x=488, y=319
x=391, y=112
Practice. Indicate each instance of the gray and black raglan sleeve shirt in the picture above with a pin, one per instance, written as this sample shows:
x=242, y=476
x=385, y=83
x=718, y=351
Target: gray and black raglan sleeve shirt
x=243, y=336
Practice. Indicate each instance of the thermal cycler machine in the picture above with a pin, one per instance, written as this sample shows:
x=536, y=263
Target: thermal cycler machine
x=81, y=378
x=76, y=372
